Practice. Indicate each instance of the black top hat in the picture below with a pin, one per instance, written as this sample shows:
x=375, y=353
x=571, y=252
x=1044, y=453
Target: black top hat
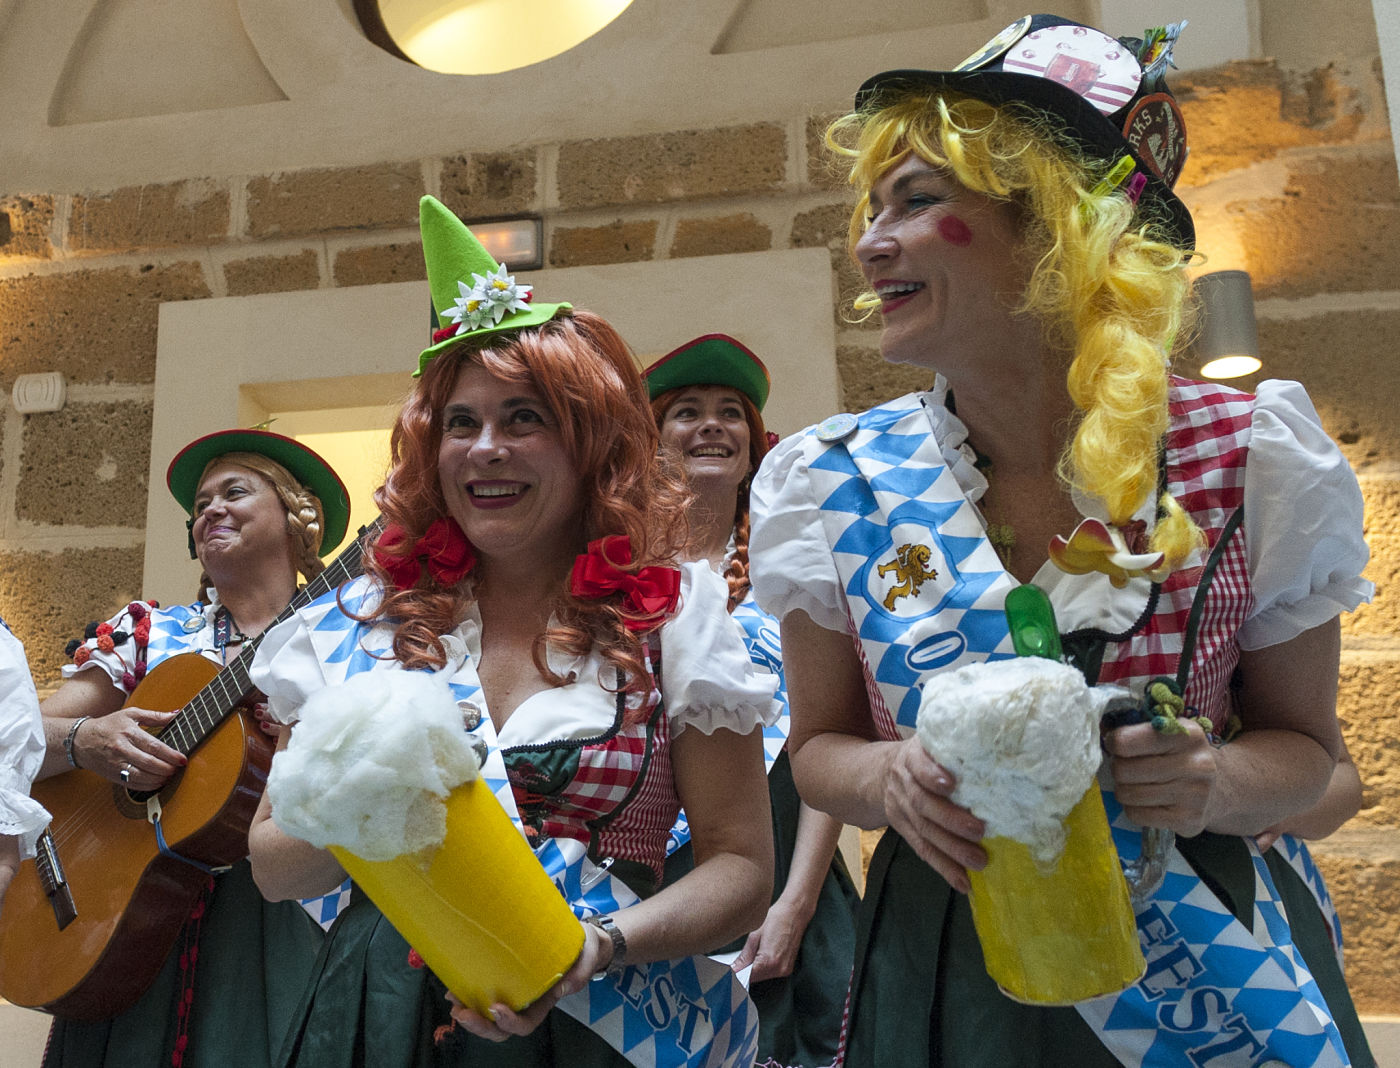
x=1110, y=94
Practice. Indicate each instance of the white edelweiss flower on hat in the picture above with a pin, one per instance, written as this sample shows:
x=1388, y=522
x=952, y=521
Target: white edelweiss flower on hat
x=468, y=308
x=500, y=294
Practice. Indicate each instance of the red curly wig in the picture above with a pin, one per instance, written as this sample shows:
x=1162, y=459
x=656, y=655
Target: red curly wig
x=737, y=573
x=584, y=371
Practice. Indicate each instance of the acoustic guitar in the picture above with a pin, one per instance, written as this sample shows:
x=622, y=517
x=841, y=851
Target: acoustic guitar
x=89, y=923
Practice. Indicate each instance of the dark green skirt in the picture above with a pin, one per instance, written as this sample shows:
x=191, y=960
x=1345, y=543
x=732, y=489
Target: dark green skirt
x=367, y=1007
x=922, y=996
x=800, y=1014
x=254, y=961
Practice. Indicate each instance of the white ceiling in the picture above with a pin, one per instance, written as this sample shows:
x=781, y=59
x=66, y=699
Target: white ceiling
x=97, y=94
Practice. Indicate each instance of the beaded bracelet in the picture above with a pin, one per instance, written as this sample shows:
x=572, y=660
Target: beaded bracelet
x=68, y=741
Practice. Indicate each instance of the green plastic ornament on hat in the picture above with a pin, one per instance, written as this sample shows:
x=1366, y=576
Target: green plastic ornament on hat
x=471, y=291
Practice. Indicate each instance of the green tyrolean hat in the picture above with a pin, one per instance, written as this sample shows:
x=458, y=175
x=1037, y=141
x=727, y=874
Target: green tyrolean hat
x=183, y=474
x=472, y=294
x=710, y=360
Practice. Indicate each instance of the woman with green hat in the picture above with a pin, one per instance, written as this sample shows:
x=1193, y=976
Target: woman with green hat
x=1019, y=236
x=262, y=509
x=528, y=568
x=708, y=397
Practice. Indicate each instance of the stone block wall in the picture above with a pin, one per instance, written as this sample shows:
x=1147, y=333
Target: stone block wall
x=1293, y=175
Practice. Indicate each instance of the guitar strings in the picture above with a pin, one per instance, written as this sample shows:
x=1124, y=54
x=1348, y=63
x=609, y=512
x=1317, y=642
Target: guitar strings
x=203, y=713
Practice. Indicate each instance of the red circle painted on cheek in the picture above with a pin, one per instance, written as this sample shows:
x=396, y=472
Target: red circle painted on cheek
x=954, y=231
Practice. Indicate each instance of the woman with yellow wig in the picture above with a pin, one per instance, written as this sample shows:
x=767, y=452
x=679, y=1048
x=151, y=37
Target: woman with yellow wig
x=1019, y=236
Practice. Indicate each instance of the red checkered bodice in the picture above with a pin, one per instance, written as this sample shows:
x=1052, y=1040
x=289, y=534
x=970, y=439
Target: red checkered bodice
x=616, y=793
x=1207, y=445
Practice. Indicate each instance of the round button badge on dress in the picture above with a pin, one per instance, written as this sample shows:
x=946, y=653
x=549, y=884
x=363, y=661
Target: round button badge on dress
x=471, y=715
x=837, y=427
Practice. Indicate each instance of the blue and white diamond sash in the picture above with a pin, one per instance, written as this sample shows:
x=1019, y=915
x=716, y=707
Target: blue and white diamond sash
x=924, y=587
x=764, y=643
x=693, y=1011
x=1295, y=851
x=1214, y=994
x=765, y=646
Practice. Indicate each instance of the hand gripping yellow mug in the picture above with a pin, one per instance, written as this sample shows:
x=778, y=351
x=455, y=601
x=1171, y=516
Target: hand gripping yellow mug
x=382, y=770
x=1055, y=921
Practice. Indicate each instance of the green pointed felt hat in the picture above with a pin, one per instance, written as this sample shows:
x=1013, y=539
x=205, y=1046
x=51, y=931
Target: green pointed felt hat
x=305, y=465
x=710, y=360
x=472, y=294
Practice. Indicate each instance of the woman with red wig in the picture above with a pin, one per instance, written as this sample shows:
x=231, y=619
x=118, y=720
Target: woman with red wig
x=707, y=397
x=527, y=560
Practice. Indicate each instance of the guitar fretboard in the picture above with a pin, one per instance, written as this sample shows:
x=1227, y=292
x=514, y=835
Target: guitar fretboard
x=226, y=690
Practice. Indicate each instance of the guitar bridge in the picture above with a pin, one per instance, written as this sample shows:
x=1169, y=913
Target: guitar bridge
x=51, y=876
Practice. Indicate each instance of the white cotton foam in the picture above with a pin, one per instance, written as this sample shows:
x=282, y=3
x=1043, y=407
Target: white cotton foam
x=1021, y=740
x=371, y=763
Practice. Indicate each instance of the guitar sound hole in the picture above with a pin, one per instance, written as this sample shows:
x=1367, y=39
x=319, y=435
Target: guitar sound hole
x=132, y=803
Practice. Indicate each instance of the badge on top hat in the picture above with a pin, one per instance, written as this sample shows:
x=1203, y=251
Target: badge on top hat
x=1104, y=91
x=1094, y=65
x=1157, y=133
x=997, y=45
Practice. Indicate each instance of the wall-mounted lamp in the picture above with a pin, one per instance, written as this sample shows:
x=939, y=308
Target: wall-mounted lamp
x=1228, y=343
x=482, y=36
x=518, y=243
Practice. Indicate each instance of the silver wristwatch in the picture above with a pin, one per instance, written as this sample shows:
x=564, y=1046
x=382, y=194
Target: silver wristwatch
x=618, y=964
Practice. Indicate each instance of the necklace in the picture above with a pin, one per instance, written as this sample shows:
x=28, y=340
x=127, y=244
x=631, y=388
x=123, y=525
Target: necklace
x=1003, y=539
x=226, y=632
x=1001, y=535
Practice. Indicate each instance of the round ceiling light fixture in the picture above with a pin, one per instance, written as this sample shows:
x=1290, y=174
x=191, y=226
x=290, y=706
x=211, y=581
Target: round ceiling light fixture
x=482, y=36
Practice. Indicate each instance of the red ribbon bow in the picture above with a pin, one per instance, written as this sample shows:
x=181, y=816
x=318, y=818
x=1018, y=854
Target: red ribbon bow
x=443, y=549
x=648, y=596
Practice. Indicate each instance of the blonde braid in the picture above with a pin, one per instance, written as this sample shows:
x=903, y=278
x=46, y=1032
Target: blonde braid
x=305, y=525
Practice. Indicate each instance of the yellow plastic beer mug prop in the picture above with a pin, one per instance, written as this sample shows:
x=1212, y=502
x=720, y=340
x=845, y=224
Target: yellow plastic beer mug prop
x=1061, y=935
x=1055, y=934
x=480, y=910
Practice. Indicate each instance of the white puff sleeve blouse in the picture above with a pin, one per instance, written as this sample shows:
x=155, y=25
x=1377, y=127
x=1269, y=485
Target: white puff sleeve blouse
x=21, y=746
x=1302, y=524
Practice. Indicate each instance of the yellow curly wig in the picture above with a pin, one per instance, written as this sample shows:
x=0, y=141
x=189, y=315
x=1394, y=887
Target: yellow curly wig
x=1110, y=291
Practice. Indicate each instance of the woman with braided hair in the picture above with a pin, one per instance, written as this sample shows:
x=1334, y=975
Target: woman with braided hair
x=262, y=509
x=1019, y=236
x=707, y=397
x=305, y=522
